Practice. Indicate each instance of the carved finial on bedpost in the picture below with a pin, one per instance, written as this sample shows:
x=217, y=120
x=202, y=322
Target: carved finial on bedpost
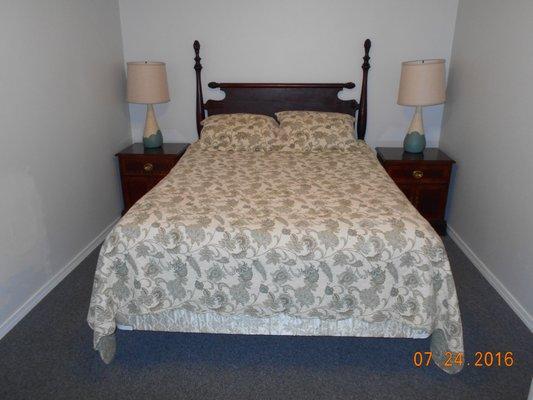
x=199, y=96
x=361, y=117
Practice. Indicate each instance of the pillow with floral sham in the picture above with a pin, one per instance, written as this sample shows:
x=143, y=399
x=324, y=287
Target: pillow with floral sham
x=238, y=132
x=315, y=131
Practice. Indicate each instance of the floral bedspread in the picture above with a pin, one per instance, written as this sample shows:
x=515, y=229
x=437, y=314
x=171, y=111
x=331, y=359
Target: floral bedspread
x=325, y=235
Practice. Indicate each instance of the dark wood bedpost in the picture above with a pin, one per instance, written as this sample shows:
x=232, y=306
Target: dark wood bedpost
x=200, y=114
x=362, y=114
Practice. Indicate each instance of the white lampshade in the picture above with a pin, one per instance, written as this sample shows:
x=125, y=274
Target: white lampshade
x=422, y=83
x=147, y=82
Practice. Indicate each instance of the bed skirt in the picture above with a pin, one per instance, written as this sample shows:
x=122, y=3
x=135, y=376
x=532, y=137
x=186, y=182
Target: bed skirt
x=180, y=320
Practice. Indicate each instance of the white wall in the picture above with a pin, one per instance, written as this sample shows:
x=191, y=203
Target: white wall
x=288, y=40
x=63, y=117
x=489, y=131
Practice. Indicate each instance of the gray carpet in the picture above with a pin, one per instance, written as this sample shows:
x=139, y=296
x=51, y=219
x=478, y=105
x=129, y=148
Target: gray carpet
x=48, y=355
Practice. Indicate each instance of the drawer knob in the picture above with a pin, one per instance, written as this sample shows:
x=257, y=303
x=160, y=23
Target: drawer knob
x=148, y=167
x=418, y=174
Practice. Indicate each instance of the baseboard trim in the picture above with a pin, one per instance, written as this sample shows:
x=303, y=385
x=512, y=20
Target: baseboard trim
x=28, y=305
x=492, y=279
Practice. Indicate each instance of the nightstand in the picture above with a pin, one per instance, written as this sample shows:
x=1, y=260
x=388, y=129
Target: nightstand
x=424, y=178
x=141, y=169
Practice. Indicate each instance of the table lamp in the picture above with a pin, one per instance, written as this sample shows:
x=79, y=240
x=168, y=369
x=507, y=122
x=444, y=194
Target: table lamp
x=421, y=84
x=147, y=84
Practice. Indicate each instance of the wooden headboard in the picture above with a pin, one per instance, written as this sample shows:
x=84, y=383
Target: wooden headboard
x=269, y=98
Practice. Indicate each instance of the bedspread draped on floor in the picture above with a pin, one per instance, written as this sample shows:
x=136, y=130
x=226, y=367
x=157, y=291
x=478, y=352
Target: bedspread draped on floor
x=324, y=235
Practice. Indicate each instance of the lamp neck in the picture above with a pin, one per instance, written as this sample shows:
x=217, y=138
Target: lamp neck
x=150, y=127
x=417, y=124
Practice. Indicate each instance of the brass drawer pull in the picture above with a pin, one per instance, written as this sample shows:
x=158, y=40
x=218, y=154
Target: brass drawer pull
x=418, y=174
x=148, y=167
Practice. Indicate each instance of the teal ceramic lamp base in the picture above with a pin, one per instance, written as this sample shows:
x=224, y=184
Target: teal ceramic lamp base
x=153, y=141
x=415, y=140
x=152, y=138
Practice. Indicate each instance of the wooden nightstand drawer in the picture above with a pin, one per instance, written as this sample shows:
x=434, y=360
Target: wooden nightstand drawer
x=135, y=187
x=141, y=169
x=147, y=165
x=423, y=178
x=419, y=172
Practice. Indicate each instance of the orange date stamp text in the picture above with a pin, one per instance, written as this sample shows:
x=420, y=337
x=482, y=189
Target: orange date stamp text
x=481, y=359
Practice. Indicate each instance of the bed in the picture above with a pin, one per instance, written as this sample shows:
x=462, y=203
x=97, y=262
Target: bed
x=277, y=242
